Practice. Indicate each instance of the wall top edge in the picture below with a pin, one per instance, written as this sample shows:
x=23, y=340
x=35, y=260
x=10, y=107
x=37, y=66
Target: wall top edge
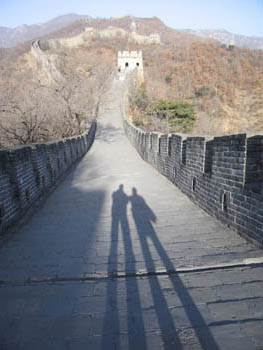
x=198, y=137
x=129, y=53
x=33, y=146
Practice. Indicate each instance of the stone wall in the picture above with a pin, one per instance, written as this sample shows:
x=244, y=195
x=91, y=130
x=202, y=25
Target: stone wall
x=223, y=175
x=27, y=172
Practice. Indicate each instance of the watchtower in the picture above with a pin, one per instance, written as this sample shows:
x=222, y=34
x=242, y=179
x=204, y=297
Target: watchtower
x=129, y=60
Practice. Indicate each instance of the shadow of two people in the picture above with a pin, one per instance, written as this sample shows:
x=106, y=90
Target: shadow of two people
x=143, y=217
x=141, y=212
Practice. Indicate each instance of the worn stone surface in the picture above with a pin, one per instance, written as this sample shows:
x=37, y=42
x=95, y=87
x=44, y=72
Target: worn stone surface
x=93, y=226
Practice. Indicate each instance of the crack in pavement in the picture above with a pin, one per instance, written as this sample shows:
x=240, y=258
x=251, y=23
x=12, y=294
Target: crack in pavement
x=253, y=262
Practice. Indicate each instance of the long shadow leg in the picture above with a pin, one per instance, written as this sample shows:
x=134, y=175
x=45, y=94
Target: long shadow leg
x=111, y=323
x=165, y=320
x=205, y=337
x=136, y=331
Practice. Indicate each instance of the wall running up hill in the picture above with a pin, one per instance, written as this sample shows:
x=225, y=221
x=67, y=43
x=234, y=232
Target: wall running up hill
x=223, y=175
x=27, y=172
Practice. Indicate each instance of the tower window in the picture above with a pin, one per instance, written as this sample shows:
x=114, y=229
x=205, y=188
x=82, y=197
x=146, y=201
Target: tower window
x=137, y=64
x=126, y=64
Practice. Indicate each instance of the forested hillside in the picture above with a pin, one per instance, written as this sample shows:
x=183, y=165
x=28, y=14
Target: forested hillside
x=53, y=90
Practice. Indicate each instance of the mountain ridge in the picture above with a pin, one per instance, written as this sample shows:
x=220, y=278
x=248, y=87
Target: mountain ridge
x=228, y=38
x=10, y=37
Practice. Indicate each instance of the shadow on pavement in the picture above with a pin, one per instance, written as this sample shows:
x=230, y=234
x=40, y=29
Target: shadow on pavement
x=143, y=217
x=135, y=325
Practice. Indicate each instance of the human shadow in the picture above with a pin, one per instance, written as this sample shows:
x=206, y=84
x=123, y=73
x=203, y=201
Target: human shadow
x=144, y=217
x=112, y=324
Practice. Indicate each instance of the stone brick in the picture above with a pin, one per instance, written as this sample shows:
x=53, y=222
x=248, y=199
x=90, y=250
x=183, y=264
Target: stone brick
x=27, y=172
x=223, y=175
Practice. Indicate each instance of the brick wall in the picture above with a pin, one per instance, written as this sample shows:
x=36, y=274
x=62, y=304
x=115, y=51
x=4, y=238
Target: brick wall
x=26, y=172
x=223, y=175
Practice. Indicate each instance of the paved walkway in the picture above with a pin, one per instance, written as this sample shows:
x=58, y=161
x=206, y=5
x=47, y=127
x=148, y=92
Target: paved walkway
x=90, y=270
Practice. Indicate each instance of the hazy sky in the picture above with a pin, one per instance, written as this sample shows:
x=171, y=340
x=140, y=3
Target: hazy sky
x=238, y=16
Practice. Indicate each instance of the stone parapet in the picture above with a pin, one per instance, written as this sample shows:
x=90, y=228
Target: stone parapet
x=223, y=175
x=28, y=172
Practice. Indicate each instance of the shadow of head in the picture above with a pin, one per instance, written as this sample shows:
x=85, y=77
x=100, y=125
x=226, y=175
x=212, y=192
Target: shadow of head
x=140, y=209
x=119, y=202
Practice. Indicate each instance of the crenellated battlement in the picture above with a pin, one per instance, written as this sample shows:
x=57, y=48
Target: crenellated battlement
x=28, y=172
x=130, y=54
x=224, y=175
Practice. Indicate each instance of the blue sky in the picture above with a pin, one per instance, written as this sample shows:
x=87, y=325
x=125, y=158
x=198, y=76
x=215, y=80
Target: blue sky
x=238, y=16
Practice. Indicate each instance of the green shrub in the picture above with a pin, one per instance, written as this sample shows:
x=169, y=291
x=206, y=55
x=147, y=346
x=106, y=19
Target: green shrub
x=231, y=47
x=178, y=114
x=168, y=79
x=141, y=99
x=137, y=122
x=205, y=91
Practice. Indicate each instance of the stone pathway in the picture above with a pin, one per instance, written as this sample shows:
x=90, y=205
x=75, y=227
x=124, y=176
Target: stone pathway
x=95, y=267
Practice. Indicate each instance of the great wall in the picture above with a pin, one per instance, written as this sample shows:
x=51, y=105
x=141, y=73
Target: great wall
x=28, y=172
x=114, y=256
x=223, y=175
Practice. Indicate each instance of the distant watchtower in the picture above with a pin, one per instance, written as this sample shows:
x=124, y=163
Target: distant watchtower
x=130, y=60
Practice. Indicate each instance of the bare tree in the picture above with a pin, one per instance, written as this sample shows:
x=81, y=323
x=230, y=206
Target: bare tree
x=23, y=117
x=33, y=112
